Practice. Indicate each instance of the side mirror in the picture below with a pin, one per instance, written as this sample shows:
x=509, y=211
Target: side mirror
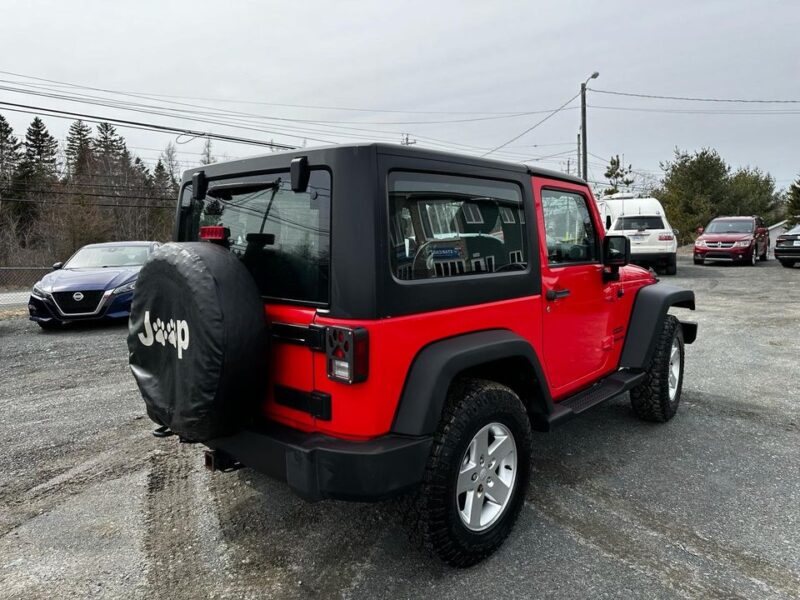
x=616, y=254
x=700, y=230
x=616, y=251
x=57, y=266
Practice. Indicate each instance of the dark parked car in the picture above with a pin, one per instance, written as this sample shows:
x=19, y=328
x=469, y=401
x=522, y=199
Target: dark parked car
x=97, y=282
x=787, y=247
x=742, y=240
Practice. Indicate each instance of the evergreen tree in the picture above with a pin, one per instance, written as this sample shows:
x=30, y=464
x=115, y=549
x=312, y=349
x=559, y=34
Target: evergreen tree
x=79, y=149
x=793, y=203
x=39, y=161
x=9, y=153
x=618, y=175
x=162, y=182
x=207, y=157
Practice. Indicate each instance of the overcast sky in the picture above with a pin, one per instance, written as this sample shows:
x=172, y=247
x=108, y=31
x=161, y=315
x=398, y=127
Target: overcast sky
x=455, y=60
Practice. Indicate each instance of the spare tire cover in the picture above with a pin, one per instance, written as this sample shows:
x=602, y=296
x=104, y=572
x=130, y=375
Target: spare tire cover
x=198, y=340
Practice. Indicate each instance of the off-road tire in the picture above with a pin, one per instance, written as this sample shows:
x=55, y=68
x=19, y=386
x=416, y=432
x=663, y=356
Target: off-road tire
x=699, y=261
x=431, y=513
x=650, y=399
x=786, y=263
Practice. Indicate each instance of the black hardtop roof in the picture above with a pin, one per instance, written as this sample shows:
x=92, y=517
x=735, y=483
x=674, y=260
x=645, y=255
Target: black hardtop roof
x=282, y=159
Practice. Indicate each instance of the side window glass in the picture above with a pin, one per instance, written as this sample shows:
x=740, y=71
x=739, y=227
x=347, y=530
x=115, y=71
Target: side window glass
x=446, y=226
x=570, y=233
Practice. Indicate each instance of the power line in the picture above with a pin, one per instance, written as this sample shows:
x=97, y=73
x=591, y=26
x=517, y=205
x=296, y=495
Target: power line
x=699, y=111
x=532, y=127
x=690, y=99
x=28, y=109
x=262, y=103
x=100, y=204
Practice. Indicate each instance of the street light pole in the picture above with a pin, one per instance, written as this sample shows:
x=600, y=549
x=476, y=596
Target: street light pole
x=585, y=152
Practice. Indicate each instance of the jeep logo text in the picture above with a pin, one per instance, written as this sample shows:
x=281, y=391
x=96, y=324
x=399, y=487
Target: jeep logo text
x=174, y=332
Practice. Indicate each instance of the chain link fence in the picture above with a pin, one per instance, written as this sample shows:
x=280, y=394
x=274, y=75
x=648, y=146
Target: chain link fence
x=16, y=284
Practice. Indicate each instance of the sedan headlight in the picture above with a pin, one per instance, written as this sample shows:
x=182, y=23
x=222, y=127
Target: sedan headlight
x=700, y=243
x=38, y=291
x=743, y=243
x=128, y=287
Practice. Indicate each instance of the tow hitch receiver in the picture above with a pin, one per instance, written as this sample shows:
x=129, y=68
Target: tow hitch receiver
x=217, y=460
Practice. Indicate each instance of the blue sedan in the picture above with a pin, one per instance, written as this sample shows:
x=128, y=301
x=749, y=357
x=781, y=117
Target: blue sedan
x=97, y=282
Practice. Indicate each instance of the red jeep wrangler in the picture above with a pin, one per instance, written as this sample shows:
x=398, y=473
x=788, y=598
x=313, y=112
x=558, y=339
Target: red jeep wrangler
x=364, y=321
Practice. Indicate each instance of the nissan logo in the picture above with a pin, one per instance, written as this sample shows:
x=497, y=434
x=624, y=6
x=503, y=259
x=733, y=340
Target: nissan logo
x=77, y=296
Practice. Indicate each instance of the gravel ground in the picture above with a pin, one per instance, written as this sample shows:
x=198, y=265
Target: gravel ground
x=703, y=507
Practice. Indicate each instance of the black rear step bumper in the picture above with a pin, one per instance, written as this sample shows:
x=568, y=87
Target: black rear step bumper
x=317, y=466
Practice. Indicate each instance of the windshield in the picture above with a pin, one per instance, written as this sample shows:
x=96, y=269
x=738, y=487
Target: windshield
x=730, y=226
x=639, y=223
x=108, y=256
x=281, y=236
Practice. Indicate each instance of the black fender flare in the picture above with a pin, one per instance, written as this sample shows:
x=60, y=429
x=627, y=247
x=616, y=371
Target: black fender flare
x=437, y=364
x=650, y=309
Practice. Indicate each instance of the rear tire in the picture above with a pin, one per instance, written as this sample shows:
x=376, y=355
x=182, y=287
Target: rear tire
x=657, y=397
x=671, y=268
x=477, y=474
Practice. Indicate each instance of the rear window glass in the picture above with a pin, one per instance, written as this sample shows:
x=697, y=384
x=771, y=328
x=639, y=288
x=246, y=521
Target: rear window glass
x=639, y=223
x=445, y=226
x=281, y=236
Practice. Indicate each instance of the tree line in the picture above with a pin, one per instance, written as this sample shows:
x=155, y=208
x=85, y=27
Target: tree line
x=56, y=198
x=701, y=185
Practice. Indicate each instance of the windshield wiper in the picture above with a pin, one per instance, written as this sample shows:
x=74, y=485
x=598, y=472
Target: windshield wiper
x=225, y=191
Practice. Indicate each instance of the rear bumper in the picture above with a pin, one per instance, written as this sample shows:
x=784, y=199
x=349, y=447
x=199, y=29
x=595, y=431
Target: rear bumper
x=317, y=466
x=653, y=258
x=787, y=252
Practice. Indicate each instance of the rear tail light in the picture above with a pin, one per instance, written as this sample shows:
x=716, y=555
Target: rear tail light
x=666, y=237
x=215, y=233
x=347, y=352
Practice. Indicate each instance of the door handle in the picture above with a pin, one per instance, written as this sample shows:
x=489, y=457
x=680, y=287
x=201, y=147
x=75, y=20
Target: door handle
x=556, y=294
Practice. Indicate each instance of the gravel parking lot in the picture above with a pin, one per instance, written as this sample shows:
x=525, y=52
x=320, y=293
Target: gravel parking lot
x=707, y=506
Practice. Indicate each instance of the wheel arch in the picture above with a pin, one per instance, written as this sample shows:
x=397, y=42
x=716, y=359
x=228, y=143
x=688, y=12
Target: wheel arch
x=496, y=354
x=650, y=309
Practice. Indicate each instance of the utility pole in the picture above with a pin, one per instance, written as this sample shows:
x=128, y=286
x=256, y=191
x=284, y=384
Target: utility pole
x=585, y=151
x=568, y=166
x=579, y=154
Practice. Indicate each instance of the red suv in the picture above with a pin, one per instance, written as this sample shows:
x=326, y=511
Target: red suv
x=372, y=320
x=732, y=239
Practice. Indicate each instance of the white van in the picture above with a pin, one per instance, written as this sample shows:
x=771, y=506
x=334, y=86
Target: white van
x=643, y=220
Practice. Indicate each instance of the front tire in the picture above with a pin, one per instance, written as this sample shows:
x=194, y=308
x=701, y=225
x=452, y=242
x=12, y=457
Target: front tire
x=477, y=474
x=787, y=263
x=657, y=397
x=49, y=325
x=699, y=261
x=754, y=256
